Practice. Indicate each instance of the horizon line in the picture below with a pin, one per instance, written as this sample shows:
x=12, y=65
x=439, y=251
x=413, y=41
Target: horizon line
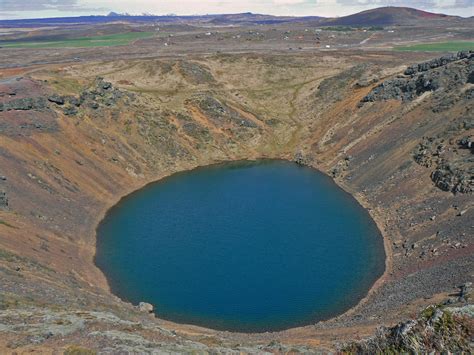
x=144, y=14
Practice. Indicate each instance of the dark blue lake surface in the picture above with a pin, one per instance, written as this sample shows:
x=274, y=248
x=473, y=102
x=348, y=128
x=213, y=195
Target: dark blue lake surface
x=245, y=246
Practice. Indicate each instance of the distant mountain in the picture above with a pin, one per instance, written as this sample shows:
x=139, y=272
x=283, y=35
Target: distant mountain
x=389, y=16
x=116, y=14
x=251, y=18
x=384, y=16
x=217, y=20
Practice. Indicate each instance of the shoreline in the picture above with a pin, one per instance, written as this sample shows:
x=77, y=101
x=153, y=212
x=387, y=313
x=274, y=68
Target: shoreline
x=362, y=202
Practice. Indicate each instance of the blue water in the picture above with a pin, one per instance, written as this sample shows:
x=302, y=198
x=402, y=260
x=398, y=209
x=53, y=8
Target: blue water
x=246, y=246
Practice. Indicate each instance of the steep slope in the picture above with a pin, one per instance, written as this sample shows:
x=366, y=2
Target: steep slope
x=76, y=138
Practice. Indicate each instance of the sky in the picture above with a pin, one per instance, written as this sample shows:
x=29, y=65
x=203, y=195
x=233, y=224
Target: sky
x=14, y=9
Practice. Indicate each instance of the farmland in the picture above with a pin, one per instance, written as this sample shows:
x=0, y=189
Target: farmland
x=119, y=39
x=439, y=47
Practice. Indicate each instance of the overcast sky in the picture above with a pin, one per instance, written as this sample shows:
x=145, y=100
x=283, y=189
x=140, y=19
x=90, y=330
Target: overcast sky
x=53, y=8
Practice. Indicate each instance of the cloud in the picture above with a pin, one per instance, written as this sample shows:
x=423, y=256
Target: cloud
x=459, y=4
x=423, y=4
x=289, y=2
x=52, y=8
x=419, y=4
x=43, y=5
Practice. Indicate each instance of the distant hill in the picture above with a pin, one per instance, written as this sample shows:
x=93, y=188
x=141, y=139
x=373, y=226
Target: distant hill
x=389, y=16
x=251, y=18
x=384, y=16
x=246, y=18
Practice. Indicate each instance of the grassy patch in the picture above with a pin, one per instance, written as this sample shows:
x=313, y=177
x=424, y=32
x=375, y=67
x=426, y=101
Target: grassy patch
x=119, y=39
x=351, y=28
x=438, y=47
x=7, y=301
x=78, y=350
x=6, y=255
x=3, y=223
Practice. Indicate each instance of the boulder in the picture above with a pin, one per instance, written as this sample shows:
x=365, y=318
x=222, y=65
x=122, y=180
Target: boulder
x=74, y=101
x=464, y=291
x=301, y=159
x=145, y=307
x=467, y=143
x=55, y=98
x=3, y=201
x=70, y=111
x=106, y=85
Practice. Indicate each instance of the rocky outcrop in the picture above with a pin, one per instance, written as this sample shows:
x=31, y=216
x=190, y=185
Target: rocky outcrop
x=465, y=292
x=301, y=159
x=438, y=329
x=145, y=307
x=467, y=143
x=196, y=73
x=102, y=93
x=446, y=73
x=333, y=88
x=222, y=113
x=3, y=201
x=197, y=131
x=453, y=171
x=449, y=178
x=437, y=62
x=24, y=104
x=55, y=98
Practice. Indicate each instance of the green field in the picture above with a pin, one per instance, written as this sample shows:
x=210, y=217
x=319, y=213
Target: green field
x=438, y=47
x=119, y=39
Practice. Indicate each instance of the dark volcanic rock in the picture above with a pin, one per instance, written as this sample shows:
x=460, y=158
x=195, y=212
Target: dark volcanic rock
x=196, y=73
x=70, y=111
x=467, y=143
x=446, y=74
x=102, y=92
x=436, y=63
x=437, y=329
x=59, y=100
x=106, y=85
x=453, y=171
x=221, y=113
x=451, y=179
x=197, y=131
x=301, y=159
x=465, y=291
x=24, y=104
x=3, y=201
x=332, y=89
x=74, y=101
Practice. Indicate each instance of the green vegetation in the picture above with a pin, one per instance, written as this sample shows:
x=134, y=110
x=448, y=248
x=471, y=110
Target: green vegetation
x=436, y=330
x=78, y=350
x=351, y=28
x=119, y=39
x=2, y=222
x=10, y=257
x=439, y=47
x=7, y=302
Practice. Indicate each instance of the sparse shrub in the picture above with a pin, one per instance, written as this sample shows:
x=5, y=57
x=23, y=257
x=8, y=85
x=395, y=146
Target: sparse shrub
x=77, y=350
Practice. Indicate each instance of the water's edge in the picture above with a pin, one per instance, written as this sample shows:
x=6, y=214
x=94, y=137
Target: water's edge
x=364, y=204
